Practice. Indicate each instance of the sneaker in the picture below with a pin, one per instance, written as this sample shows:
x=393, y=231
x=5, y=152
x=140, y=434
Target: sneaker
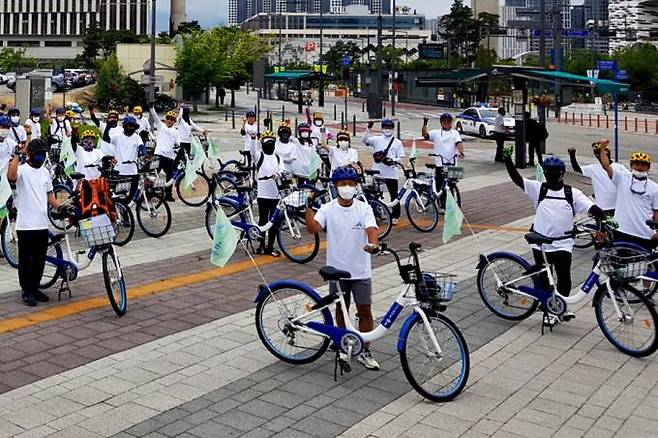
x=28, y=299
x=366, y=359
x=41, y=297
x=170, y=199
x=568, y=316
x=551, y=320
x=395, y=221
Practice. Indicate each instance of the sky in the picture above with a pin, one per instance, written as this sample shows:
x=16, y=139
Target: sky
x=213, y=12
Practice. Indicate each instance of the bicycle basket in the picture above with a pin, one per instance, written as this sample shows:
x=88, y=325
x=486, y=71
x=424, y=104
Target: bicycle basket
x=436, y=286
x=97, y=230
x=455, y=172
x=119, y=184
x=622, y=266
x=296, y=199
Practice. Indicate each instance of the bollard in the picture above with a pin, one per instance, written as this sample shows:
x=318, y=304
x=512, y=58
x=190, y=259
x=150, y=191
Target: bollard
x=296, y=124
x=558, y=117
x=342, y=120
x=625, y=123
x=646, y=126
x=598, y=120
x=590, y=120
x=581, y=119
x=573, y=118
x=226, y=115
x=636, y=124
x=607, y=121
x=656, y=126
x=335, y=113
x=283, y=113
x=363, y=106
x=354, y=125
x=233, y=118
x=399, y=136
x=384, y=111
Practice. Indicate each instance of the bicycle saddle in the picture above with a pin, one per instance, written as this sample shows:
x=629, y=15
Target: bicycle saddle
x=430, y=165
x=329, y=273
x=538, y=239
x=324, y=179
x=240, y=174
x=55, y=238
x=652, y=224
x=76, y=176
x=371, y=172
x=243, y=189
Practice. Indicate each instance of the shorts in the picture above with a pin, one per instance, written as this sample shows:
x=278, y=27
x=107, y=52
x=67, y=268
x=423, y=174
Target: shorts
x=360, y=289
x=644, y=243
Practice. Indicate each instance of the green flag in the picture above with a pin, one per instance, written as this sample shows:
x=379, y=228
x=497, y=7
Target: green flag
x=314, y=165
x=412, y=154
x=67, y=156
x=5, y=191
x=3, y=213
x=213, y=149
x=194, y=163
x=540, y=174
x=454, y=218
x=225, y=240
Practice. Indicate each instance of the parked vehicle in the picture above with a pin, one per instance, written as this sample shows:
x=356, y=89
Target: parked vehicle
x=480, y=121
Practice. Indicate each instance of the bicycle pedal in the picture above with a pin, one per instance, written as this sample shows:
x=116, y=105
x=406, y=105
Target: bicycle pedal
x=568, y=318
x=345, y=367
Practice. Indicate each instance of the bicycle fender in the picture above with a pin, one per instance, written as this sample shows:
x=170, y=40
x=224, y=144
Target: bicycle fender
x=230, y=201
x=406, y=326
x=264, y=290
x=484, y=259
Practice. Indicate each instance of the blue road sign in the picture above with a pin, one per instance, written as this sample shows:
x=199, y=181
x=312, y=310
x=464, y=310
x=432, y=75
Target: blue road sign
x=606, y=65
x=575, y=33
x=347, y=60
x=622, y=75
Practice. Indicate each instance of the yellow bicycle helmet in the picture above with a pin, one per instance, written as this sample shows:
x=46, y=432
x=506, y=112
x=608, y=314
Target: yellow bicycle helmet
x=640, y=157
x=138, y=110
x=171, y=114
x=69, y=114
x=318, y=116
x=266, y=135
x=343, y=134
x=598, y=145
x=89, y=133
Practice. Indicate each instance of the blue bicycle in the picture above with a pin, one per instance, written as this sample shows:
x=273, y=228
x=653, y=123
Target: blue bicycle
x=295, y=324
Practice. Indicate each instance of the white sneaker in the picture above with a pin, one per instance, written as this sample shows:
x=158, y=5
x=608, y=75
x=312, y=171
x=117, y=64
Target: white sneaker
x=395, y=221
x=551, y=320
x=366, y=359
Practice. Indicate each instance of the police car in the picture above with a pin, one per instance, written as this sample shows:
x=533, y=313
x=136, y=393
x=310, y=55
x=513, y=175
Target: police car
x=480, y=121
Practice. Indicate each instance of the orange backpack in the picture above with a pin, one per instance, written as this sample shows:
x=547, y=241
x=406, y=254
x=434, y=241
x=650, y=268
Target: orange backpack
x=96, y=199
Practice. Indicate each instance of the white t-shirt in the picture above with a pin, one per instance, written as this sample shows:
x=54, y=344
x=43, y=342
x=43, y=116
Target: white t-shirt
x=445, y=145
x=251, y=135
x=499, y=124
x=35, y=128
x=166, y=140
x=18, y=134
x=185, y=129
x=59, y=130
x=84, y=159
x=271, y=165
x=346, y=236
x=7, y=148
x=108, y=148
x=126, y=149
x=32, y=188
x=316, y=134
x=395, y=153
x=554, y=217
x=633, y=209
x=605, y=192
x=287, y=152
x=339, y=157
x=144, y=124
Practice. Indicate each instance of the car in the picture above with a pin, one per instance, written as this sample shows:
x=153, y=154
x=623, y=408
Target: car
x=480, y=121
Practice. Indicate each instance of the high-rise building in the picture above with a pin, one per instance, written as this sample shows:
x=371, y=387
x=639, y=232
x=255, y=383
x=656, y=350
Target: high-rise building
x=54, y=29
x=632, y=21
x=596, y=23
x=516, y=41
x=177, y=14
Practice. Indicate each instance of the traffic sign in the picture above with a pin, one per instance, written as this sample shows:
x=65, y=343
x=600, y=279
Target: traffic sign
x=606, y=65
x=593, y=74
x=575, y=33
x=622, y=75
x=430, y=51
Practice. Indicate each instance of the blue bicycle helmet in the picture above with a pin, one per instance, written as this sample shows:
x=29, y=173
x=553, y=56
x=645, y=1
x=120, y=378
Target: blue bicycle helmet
x=251, y=113
x=35, y=112
x=60, y=110
x=445, y=116
x=344, y=173
x=554, y=163
x=5, y=121
x=388, y=123
x=130, y=120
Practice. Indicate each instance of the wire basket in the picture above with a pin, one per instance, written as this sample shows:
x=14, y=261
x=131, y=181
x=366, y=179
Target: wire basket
x=436, y=286
x=97, y=230
x=455, y=172
x=119, y=184
x=296, y=199
x=159, y=180
x=622, y=266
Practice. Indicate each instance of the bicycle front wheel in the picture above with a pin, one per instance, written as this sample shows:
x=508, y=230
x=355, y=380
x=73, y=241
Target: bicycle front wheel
x=502, y=301
x=197, y=194
x=454, y=191
x=634, y=328
x=154, y=215
x=114, y=282
x=422, y=211
x=295, y=241
x=283, y=338
x=437, y=376
x=9, y=242
x=382, y=217
x=125, y=224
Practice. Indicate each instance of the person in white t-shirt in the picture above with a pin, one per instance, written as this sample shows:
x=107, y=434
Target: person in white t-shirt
x=168, y=139
x=605, y=192
x=186, y=128
x=59, y=128
x=500, y=134
x=88, y=157
x=109, y=128
x=351, y=237
x=126, y=150
x=319, y=131
x=268, y=169
x=342, y=154
x=7, y=145
x=249, y=133
x=447, y=144
x=555, y=204
x=33, y=124
x=637, y=201
x=286, y=146
x=388, y=169
x=144, y=124
x=34, y=193
x=17, y=132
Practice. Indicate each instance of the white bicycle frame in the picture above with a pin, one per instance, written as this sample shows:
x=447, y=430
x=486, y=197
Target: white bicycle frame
x=409, y=189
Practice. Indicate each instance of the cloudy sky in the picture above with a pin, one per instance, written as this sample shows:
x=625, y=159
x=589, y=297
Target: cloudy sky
x=213, y=12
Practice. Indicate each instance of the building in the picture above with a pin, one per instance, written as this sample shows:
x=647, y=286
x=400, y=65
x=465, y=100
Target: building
x=241, y=10
x=177, y=15
x=528, y=11
x=488, y=7
x=299, y=33
x=632, y=21
x=578, y=21
x=516, y=41
x=596, y=23
x=54, y=29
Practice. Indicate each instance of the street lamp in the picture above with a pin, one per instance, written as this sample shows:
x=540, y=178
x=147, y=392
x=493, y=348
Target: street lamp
x=152, y=66
x=393, y=63
x=321, y=90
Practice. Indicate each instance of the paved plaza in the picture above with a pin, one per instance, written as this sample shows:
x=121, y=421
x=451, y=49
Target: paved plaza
x=186, y=361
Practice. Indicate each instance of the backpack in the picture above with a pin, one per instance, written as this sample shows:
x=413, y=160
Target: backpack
x=568, y=195
x=95, y=199
x=262, y=158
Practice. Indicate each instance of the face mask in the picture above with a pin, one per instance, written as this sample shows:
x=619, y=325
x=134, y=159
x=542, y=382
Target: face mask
x=268, y=148
x=387, y=132
x=37, y=159
x=285, y=137
x=129, y=130
x=305, y=135
x=347, y=192
x=3, y=133
x=88, y=144
x=344, y=145
x=35, y=119
x=60, y=118
x=554, y=179
x=317, y=123
x=15, y=119
x=639, y=175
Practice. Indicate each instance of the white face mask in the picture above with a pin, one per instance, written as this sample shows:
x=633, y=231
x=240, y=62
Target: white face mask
x=640, y=175
x=61, y=118
x=387, y=132
x=318, y=123
x=35, y=119
x=347, y=192
x=305, y=134
x=15, y=119
x=344, y=145
x=3, y=133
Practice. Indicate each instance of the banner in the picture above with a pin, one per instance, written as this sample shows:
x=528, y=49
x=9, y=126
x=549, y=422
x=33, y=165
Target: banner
x=213, y=149
x=224, y=241
x=67, y=156
x=5, y=192
x=314, y=165
x=194, y=163
x=539, y=172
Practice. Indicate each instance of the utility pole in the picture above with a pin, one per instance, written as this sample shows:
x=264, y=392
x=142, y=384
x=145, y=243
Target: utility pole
x=321, y=90
x=393, y=64
x=152, y=66
x=279, y=23
x=542, y=35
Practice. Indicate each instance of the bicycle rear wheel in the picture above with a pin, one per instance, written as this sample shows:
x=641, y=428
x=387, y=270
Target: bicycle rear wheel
x=285, y=340
x=382, y=217
x=51, y=271
x=197, y=194
x=422, y=211
x=114, y=282
x=153, y=215
x=62, y=193
x=125, y=225
x=9, y=241
x=436, y=376
x=295, y=241
x=635, y=331
x=502, y=302
x=231, y=214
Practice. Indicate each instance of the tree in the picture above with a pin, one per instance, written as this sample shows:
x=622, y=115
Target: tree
x=333, y=58
x=461, y=30
x=11, y=59
x=188, y=27
x=579, y=61
x=194, y=64
x=100, y=42
x=485, y=58
x=108, y=81
x=640, y=61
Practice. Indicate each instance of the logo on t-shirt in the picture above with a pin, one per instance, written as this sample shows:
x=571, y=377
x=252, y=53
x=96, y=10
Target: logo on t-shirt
x=359, y=226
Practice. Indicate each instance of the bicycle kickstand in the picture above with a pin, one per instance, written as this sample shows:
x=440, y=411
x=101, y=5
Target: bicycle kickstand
x=64, y=287
x=544, y=324
x=342, y=364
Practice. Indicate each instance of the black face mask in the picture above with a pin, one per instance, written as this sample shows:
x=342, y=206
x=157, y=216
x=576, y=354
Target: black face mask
x=36, y=159
x=554, y=178
x=129, y=130
x=268, y=147
x=285, y=137
x=112, y=122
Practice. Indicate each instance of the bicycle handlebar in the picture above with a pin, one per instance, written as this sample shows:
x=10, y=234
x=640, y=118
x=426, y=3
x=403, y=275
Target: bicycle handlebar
x=452, y=162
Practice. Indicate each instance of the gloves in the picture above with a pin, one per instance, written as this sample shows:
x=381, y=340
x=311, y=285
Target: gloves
x=425, y=120
x=371, y=124
x=507, y=152
x=243, y=132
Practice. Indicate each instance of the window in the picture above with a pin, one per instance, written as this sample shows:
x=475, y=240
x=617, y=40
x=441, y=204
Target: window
x=22, y=43
x=58, y=43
